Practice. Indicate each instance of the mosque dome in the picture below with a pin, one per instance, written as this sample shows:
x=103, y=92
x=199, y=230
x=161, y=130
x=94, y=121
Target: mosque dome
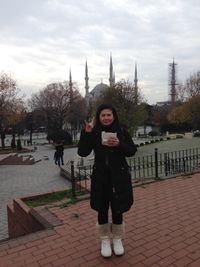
x=98, y=90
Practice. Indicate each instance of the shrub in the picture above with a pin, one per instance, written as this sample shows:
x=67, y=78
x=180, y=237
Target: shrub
x=197, y=134
x=179, y=136
x=60, y=135
x=153, y=133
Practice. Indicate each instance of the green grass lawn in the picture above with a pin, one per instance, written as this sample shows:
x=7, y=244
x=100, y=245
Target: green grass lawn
x=169, y=146
x=47, y=199
x=51, y=198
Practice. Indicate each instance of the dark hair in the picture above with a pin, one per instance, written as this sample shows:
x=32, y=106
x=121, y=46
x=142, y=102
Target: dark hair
x=97, y=116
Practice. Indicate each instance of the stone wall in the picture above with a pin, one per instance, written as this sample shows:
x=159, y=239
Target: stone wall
x=20, y=220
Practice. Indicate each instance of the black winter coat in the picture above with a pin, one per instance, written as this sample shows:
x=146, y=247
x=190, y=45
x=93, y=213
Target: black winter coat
x=109, y=163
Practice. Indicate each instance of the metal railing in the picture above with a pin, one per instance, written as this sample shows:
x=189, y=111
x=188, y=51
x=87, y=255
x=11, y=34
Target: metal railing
x=149, y=167
x=161, y=165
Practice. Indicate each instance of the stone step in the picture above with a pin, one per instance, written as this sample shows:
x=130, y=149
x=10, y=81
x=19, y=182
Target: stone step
x=16, y=159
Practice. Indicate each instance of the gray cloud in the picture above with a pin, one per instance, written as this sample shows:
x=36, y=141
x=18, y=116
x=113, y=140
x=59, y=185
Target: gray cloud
x=41, y=39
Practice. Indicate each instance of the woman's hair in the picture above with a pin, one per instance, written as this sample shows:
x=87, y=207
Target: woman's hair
x=97, y=116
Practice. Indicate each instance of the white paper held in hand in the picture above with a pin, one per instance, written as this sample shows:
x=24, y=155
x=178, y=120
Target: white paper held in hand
x=106, y=135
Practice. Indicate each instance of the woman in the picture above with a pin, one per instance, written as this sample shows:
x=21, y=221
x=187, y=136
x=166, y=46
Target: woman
x=111, y=179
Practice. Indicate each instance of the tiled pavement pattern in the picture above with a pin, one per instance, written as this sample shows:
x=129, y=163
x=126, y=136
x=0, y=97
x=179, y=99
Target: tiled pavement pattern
x=26, y=180
x=162, y=230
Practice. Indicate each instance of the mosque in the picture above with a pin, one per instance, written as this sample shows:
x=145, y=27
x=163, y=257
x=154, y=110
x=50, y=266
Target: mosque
x=99, y=88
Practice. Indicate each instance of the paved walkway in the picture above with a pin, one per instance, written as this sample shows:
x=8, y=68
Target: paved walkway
x=162, y=230
x=26, y=180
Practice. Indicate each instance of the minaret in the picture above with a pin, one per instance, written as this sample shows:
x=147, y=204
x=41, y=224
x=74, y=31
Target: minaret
x=86, y=84
x=86, y=80
x=173, y=81
x=112, y=76
x=136, y=85
x=70, y=85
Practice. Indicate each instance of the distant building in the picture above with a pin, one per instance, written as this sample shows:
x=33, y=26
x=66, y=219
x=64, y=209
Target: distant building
x=163, y=103
x=99, y=88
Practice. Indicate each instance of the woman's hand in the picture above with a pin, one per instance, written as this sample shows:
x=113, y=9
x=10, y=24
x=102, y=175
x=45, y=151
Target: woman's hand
x=112, y=141
x=89, y=126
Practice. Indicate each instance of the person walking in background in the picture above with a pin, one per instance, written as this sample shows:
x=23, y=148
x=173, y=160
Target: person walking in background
x=58, y=155
x=111, y=185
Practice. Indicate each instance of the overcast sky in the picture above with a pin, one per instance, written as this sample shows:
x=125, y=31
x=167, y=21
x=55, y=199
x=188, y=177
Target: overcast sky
x=40, y=40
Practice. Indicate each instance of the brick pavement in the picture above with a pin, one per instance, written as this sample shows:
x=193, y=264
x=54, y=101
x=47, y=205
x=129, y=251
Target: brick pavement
x=162, y=230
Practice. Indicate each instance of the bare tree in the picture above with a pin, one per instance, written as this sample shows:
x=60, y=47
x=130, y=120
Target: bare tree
x=193, y=84
x=181, y=93
x=76, y=114
x=10, y=102
x=56, y=102
x=53, y=101
x=190, y=88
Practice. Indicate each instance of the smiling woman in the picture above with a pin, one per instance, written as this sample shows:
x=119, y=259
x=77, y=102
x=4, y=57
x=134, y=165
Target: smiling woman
x=111, y=186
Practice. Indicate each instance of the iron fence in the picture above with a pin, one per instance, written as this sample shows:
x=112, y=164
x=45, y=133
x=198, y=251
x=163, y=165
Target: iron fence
x=161, y=165
x=155, y=166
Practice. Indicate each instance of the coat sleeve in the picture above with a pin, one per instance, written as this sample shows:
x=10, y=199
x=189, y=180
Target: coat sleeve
x=85, y=144
x=126, y=145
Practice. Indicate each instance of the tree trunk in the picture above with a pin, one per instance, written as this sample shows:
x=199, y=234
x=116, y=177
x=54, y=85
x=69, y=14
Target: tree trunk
x=3, y=139
x=31, y=136
x=13, y=144
x=2, y=143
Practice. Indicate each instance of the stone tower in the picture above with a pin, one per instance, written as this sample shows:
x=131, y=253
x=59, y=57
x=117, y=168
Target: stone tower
x=112, y=74
x=87, y=95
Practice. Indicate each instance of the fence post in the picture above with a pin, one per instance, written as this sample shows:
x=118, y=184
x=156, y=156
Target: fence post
x=165, y=164
x=73, y=179
x=156, y=163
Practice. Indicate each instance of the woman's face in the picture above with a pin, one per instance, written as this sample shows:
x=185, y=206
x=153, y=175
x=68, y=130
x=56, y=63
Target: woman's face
x=106, y=117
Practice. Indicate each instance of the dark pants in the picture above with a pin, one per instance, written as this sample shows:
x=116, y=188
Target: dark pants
x=103, y=218
x=117, y=218
x=59, y=159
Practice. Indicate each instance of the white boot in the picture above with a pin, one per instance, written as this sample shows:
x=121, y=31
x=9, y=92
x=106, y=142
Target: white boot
x=117, y=231
x=106, y=248
x=104, y=234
